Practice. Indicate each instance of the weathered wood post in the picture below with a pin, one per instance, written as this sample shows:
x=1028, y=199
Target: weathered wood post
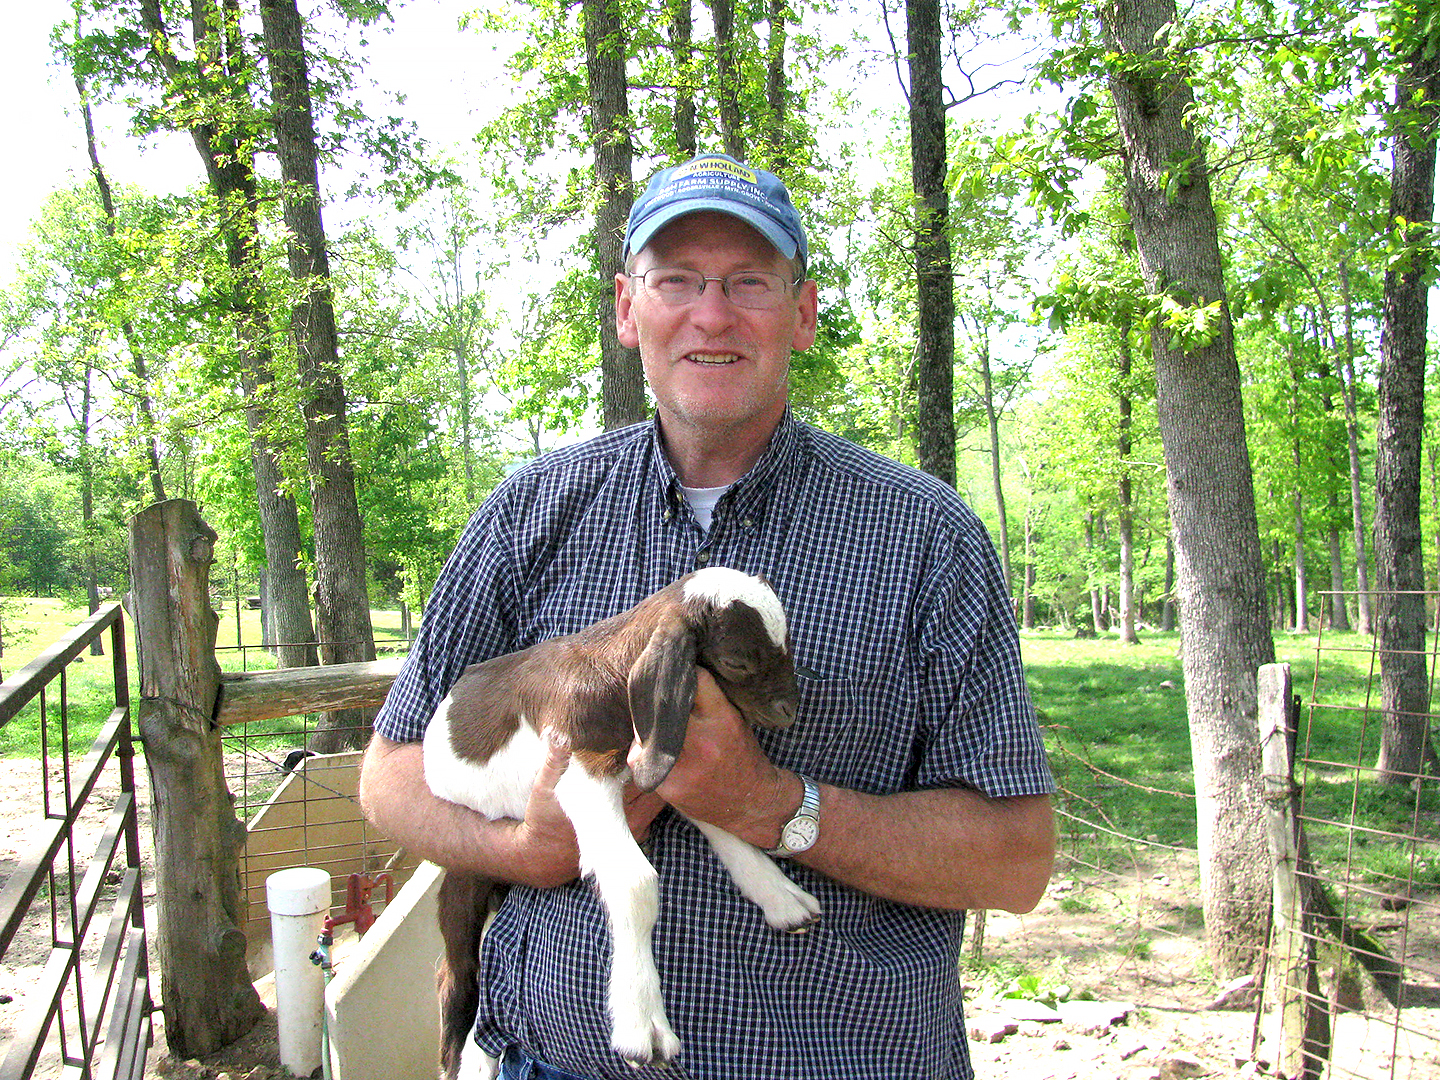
x=1303, y=1018
x=205, y=990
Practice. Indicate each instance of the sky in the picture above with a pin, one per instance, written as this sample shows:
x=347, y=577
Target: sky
x=452, y=81
x=449, y=77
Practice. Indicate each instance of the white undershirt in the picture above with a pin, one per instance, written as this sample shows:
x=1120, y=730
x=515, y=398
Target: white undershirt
x=702, y=502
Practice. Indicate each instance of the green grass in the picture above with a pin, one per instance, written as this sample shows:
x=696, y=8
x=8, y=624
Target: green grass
x=1113, y=723
x=1120, y=747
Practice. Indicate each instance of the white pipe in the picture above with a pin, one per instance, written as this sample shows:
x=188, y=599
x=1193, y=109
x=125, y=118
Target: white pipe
x=299, y=900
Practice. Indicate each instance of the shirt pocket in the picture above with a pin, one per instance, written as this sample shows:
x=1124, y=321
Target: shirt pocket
x=822, y=739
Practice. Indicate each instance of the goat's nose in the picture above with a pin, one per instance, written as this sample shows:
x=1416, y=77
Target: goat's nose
x=785, y=710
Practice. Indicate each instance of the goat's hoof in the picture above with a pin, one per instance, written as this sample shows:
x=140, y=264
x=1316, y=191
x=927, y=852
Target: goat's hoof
x=791, y=909
x=656, y=1045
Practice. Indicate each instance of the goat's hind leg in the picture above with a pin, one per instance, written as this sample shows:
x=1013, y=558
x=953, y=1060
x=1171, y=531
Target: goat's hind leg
x=786, y=906
x=464, y=902
x=630, y=890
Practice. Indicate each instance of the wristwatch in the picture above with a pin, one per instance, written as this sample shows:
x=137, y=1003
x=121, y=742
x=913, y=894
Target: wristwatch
x=801, y=831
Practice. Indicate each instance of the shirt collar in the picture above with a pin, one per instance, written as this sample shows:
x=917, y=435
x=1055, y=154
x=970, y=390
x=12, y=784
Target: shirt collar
x=752, y=490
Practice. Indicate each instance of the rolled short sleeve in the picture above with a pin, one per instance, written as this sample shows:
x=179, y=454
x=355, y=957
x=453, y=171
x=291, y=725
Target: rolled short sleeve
x=981, y=728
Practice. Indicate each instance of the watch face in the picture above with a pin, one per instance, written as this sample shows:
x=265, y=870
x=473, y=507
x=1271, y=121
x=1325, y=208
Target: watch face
x=800, y=833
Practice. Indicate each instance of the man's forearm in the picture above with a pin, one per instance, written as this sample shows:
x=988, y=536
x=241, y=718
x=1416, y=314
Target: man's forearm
x=951, y=848
x=948, y=849
x=399, y=803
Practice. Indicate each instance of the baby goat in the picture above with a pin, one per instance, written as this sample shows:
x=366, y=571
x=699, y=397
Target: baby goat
x=629, y=678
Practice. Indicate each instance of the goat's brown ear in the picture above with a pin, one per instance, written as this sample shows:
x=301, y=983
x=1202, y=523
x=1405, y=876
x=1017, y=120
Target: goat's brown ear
x=662, y=692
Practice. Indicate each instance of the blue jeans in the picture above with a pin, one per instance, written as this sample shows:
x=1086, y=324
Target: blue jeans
x=516, y=1064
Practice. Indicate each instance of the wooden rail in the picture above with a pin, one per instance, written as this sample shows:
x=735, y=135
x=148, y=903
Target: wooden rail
x=269, y=695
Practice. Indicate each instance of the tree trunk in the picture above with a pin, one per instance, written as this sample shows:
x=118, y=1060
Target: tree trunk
x=230, y=169
x=1399, y=566
x=1364, y=622
x=1302, y=582
x=992, y=425
x=342, y=601
x=1225, y=631
x=1167, y=611
x=144, y=406
x=622, y=381
x=934, y=281
x=205, y=988
x=681, y=31
x=467, y=434
x=1027, y=617
x=1128, y=635
x=1297, y=506
x=460, y=319
x=87, y=505
x=1284, y=586
x=727, y=77
x=1097, y=607
x=1339, y=614
x=284, y=597
x=775, y=85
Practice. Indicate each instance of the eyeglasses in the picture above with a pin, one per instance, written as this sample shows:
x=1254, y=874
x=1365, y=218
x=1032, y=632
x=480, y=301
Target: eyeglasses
x=676, y=286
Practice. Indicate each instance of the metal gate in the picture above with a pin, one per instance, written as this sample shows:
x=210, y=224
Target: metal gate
x=72, y=925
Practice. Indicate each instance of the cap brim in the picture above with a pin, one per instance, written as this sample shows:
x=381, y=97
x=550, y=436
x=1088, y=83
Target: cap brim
x=761, y=223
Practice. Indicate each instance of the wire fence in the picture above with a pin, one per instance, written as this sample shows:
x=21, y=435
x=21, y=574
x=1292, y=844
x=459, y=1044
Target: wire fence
x=303, y=810
x=1369, y=866
x=1372, y=856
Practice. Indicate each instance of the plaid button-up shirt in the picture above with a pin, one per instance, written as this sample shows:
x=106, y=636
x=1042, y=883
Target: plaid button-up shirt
x=910, y=678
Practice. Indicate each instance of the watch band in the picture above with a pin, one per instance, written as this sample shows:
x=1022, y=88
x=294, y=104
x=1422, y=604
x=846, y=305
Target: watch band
x=801, y=831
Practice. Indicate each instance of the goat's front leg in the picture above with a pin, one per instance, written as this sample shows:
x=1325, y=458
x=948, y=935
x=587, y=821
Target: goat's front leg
x=630, y=891
x=786, y=905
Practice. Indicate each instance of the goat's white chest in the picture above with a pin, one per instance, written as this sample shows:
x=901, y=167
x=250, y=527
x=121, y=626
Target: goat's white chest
x=499, y=786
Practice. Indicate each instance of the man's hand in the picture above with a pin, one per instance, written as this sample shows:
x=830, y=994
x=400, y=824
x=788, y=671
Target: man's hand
x=545, y=840
x=723, y=777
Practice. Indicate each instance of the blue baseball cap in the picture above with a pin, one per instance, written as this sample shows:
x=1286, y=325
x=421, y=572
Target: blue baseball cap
x=718, y=182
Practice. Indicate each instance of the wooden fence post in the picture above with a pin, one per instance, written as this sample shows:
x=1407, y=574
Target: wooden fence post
x=205, y=989
x=1303, y=1016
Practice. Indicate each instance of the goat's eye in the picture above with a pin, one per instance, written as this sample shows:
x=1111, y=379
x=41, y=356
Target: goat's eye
x=735, y=667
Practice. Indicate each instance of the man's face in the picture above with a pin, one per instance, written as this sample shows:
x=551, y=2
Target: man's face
x=714, y=366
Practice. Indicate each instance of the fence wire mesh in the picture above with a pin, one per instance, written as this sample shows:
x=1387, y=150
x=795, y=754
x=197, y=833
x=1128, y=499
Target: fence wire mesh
x=1369, y=866
x=301, y=810
x=1372, y=869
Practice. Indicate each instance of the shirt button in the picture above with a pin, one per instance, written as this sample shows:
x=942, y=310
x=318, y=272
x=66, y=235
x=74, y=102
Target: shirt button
x=701, y=558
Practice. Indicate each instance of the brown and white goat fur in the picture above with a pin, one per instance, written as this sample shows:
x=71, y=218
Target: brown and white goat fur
x=628, y=679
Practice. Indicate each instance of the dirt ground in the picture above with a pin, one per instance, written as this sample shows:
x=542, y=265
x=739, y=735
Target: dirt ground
x=1130, y=944
x=1149, y=1018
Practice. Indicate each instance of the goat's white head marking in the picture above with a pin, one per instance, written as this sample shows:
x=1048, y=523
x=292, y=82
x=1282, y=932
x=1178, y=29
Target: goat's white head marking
x=722, y=586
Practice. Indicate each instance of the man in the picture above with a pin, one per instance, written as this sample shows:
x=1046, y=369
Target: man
x=913, y=784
